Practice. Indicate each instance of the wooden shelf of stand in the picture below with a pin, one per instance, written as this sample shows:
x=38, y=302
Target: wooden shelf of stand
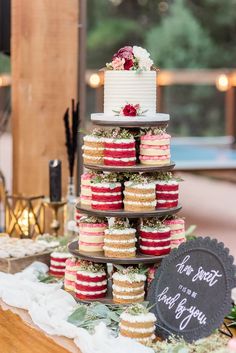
x=129, y=214
x=133, y=168
x=99, y=257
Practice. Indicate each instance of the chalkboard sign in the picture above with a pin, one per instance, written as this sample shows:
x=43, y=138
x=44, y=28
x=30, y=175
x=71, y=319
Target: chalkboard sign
x=191, y=291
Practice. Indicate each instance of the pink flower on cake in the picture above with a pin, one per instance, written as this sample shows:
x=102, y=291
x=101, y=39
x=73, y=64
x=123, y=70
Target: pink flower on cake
x=118, y=64
x=130, y=110
x=125, y=53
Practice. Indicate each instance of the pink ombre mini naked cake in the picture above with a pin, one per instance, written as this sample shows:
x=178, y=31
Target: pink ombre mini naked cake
x=155, y=148
x=91, y=233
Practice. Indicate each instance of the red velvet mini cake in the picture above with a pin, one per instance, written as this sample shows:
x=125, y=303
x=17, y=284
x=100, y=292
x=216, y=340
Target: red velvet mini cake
x=120, y=148
x=154, y=238
x=58, y=262
x=106, y=192
x=167, y=191
x=91, y=281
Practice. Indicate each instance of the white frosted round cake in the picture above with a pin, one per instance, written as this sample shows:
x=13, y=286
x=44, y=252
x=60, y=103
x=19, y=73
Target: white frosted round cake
x=130, y=88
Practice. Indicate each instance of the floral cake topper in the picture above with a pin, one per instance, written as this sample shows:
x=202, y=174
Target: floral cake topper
x=131, y=58
x=130, y=110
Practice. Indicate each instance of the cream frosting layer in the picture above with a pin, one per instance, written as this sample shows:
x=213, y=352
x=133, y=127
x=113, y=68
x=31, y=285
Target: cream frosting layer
x=90, y=293
x=132, y=87
x=137, y=329
x=140, y=185
x=138, y=318
x=118, y=249
x=92, y=284
x=120, y=241
x=126, y=289
x=128, y=296
x=120, y=231
x=91, y=274
x=136, y=277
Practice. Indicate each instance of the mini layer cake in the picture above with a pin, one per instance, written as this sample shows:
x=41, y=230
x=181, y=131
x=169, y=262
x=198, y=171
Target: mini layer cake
x=91, y=281
x=177, y=231
x=128, y=285
x=155, y=148
x=120, y=148
x=91, y=233
x=138, y=323
x=154, y=238
x=86, y=192
x=106, y=192
x=139, y=194
x=94, y=147
x=58, y=261
x=120, y=240
x=70, y=274
x=167, y=191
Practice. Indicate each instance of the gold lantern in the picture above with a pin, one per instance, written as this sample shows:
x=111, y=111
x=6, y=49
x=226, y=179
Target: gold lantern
x=24, y=216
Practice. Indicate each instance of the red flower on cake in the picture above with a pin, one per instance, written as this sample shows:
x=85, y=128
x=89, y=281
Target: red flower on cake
x=129, y=110
x=125, y=53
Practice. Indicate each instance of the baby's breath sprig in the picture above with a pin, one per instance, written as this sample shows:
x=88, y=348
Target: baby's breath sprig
x=90, y=266
x=136, y=309
x=92, y=219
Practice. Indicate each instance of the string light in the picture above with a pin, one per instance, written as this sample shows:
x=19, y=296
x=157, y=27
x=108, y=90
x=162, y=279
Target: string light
x=94, y=80
x=222, y=83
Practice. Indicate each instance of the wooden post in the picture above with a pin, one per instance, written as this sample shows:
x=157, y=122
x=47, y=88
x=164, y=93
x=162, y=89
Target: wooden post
x=44, y=80
x=230, y=112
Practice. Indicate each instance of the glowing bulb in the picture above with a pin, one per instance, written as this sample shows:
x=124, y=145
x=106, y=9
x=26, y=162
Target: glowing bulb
x=222, y=83
x=94, y=80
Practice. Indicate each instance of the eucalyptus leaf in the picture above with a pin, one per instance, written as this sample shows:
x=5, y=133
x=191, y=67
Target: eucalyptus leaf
x=114, y=316
x=99, y=309
x=78, y=316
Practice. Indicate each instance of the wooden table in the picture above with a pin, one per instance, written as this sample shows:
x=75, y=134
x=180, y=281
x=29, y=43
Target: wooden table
x=18, y=334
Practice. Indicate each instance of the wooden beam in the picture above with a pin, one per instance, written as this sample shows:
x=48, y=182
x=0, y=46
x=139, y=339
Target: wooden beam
x=230, y=112
x=44, y=80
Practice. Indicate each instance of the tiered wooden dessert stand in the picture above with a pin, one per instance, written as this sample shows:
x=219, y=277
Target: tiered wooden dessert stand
x=99, y=257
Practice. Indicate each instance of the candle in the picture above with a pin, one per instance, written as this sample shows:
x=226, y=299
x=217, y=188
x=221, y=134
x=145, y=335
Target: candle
x=55, y=180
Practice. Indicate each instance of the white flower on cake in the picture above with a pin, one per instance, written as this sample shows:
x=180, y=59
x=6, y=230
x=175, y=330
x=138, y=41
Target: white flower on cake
x=143, y=58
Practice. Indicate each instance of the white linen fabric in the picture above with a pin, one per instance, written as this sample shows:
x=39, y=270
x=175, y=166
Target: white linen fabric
x=49, y=307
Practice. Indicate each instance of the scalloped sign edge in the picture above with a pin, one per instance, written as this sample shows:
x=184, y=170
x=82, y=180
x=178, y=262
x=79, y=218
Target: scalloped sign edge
x=226, y=260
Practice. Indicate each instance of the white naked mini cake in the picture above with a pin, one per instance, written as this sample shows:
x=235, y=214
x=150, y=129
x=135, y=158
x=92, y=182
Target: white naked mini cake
x=130, y=88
